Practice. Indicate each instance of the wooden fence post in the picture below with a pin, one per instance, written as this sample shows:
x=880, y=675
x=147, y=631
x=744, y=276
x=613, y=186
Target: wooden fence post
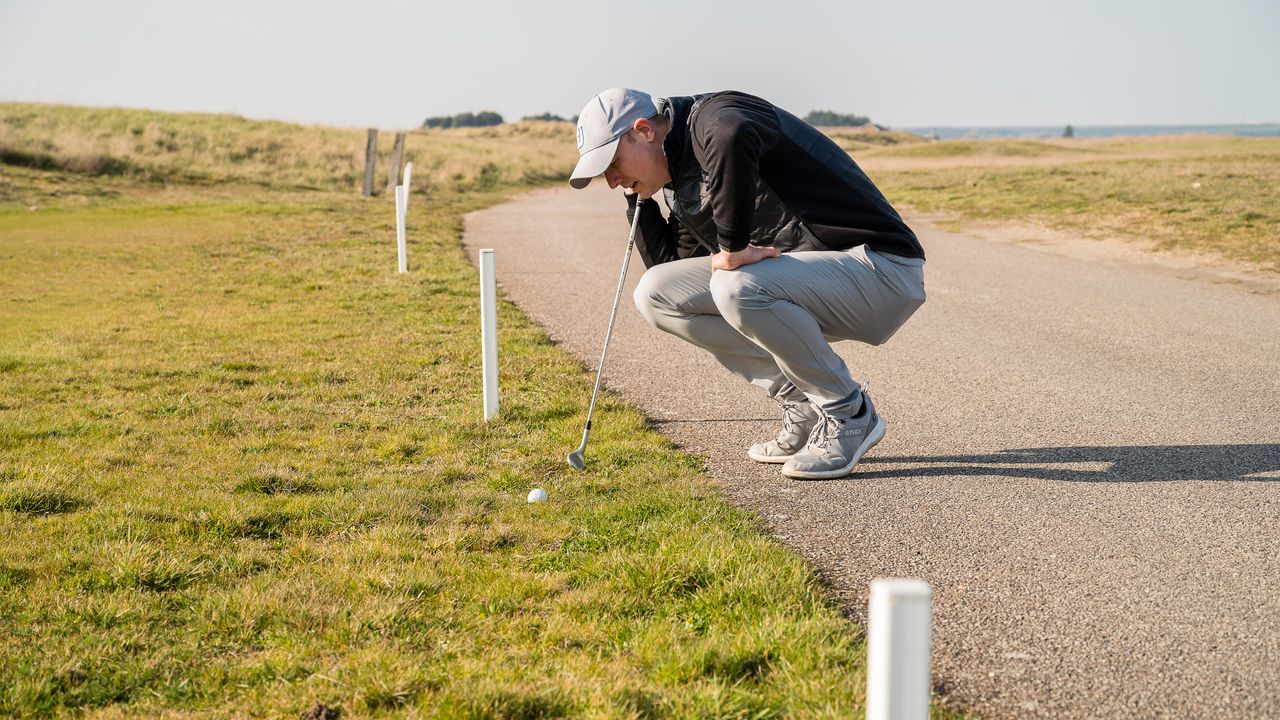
x=393, y=172
x=370, y=156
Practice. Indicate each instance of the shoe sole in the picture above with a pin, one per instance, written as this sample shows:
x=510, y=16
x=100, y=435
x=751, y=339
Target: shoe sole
x=876, y=435
x=769, y=458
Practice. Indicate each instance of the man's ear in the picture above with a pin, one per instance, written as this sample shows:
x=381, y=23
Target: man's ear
x=645, y=129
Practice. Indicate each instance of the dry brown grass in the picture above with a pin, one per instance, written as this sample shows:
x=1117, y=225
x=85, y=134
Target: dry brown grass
x=203, y=150
x=1187, y=194
x=856, y=139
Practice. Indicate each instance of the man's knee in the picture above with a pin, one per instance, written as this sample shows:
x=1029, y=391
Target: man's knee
x=648, y=297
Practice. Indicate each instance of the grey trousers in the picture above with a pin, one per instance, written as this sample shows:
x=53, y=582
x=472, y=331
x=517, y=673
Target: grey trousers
x=772, y=322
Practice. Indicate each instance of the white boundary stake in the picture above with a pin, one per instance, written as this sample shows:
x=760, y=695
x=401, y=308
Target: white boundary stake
x=489, y=333
x=899, y=642
x=401, y=252
x=408, y=178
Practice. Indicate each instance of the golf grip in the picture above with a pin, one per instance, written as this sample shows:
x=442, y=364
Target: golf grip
x=622, y=279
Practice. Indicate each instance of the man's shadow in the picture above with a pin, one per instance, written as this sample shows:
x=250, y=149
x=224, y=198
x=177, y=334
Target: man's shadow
x=1142, y=463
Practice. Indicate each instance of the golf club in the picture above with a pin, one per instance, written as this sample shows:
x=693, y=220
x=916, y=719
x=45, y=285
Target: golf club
x=575, y=457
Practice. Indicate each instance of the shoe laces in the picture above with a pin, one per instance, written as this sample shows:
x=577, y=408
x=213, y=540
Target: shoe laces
x=830, y=425
x=825, y=430
x=792, y=414
x=792, y=409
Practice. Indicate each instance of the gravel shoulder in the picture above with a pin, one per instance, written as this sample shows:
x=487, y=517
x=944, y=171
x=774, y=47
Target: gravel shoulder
x=1082, y=458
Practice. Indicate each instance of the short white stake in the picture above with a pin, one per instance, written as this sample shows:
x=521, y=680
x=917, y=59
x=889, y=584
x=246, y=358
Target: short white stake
x=400, y=240
x=899, y=640
x=489, y=333
x=408, y=178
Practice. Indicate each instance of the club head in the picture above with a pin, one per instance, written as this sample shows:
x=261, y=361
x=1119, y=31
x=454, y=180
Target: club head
x=575, y=459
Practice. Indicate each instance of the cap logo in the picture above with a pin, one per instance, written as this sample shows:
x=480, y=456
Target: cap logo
x=581, y=140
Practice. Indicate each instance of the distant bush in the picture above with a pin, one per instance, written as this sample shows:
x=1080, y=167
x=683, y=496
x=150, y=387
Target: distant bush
x=84, y=164
x=828, y=118
x=544, y=117
x=483, y=118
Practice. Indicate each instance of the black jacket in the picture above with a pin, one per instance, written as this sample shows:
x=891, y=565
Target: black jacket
x=747, y=172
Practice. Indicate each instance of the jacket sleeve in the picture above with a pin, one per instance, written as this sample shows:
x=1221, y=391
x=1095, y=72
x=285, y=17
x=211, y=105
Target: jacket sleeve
x=730, y=134
x=659, y=240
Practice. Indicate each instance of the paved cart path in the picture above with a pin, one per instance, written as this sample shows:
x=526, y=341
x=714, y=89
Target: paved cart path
x=1082, y=459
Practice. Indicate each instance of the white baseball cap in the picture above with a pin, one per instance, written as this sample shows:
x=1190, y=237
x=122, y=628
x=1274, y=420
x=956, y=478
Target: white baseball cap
x=601, y=125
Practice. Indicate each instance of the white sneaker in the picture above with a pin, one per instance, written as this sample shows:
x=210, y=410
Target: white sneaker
x=837, y=444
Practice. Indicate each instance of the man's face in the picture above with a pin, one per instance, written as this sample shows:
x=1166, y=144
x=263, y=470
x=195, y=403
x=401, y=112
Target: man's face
x=639, y=165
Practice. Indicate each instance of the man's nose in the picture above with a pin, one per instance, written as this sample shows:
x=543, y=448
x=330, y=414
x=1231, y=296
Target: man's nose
x=613, y=179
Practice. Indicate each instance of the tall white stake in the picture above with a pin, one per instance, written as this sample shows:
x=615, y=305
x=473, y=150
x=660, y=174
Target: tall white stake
x=408, y=178
x=489, y=333
x=899, y=641
x=400, y=240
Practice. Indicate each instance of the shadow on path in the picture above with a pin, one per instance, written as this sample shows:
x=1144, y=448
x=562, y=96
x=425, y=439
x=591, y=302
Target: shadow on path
x=703, y=421
x=1141, y=463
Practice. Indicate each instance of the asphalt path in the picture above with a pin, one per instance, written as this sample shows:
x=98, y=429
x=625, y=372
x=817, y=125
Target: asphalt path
x=1082, y=459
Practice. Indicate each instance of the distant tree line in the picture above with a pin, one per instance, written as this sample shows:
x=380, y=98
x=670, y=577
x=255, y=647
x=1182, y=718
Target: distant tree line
x=835, y=119
x=828, y=118
x=483, y=118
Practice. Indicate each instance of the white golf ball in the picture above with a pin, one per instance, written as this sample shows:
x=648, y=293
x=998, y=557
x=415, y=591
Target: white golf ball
x=537, y=495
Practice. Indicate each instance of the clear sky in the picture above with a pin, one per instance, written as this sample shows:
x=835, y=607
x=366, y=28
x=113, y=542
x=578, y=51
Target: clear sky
x=902, y=62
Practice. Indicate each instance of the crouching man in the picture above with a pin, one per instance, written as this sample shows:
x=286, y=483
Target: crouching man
x=776, y=244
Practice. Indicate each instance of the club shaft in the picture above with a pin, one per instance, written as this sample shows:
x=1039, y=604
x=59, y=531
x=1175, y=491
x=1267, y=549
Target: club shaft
x=613, y=314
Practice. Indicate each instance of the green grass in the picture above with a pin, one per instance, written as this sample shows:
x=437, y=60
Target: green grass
x=1215, y=195
x=243, y=471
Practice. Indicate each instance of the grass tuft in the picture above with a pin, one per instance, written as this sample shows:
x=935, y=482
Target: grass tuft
x=279, y=482
x=39, y=501
x=508, y=705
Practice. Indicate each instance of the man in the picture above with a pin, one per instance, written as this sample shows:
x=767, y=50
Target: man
x=776, y=244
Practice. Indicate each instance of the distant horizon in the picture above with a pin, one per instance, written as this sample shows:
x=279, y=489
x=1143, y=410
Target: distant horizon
x=984, y=132
x=914, y=127
x=953, y=126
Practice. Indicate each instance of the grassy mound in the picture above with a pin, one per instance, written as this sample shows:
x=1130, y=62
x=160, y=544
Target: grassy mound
x=983, y=148
x=205, y=150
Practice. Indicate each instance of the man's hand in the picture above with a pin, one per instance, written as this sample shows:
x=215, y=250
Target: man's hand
x=733, y=260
